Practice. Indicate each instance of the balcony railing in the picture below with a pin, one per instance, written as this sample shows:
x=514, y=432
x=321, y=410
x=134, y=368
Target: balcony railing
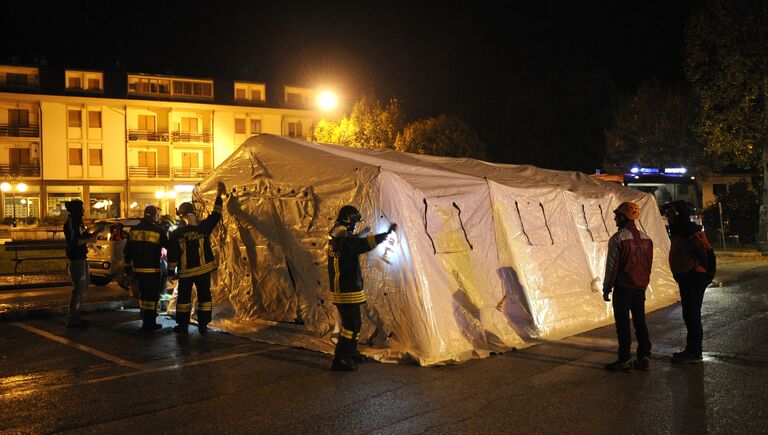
x=15, y=130
x=20, y=170
x=190, y=172
x=185, y=136
x=148, y=135
x=149, y=172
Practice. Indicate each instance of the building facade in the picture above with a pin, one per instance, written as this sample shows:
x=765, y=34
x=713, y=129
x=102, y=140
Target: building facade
x=129, y=141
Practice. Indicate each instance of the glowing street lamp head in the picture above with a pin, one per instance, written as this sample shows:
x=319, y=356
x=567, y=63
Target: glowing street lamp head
x=5, y=186
x=327, y=100
x=21, y=187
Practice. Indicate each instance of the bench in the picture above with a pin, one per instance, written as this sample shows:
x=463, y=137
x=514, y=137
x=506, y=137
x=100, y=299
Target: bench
x=17, y=246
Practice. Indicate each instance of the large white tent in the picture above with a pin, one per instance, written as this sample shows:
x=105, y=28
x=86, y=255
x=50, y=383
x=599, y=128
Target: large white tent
x=487, y=257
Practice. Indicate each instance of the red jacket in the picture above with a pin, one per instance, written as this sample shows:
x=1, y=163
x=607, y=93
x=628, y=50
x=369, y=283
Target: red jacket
x=630, y=255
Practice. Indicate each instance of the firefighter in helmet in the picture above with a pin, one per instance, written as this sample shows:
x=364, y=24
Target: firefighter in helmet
x=142, y=252
x=346, y=280
x=190, y=251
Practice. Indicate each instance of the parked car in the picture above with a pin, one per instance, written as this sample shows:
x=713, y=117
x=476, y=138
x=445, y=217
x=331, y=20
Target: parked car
x=105, y=257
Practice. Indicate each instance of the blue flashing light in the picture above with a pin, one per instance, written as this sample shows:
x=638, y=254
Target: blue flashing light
x=634, y=170
x=675, y=170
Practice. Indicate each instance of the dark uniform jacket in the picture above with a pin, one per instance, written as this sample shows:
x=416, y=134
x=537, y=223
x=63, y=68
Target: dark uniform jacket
x=74, y=232
x=189, y=247
x=344, y=271
x=143, y=247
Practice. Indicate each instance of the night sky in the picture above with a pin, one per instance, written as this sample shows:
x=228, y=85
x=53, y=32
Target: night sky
x=536, y=80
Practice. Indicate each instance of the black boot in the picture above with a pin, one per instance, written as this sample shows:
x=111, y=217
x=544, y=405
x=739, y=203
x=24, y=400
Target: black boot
x=340, y=365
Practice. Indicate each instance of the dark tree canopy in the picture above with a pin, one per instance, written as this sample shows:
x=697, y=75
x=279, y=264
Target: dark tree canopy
x=727, y=65
x=654, y=128
x=443, y=135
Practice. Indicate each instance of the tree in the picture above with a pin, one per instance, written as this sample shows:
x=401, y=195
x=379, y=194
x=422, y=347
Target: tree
x=370, y=125
x=727, y=65
x=654, y=128
x=443, y=135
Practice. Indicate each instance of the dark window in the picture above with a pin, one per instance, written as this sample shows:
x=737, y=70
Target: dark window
x=94, y=84
x=18, y=117
x=240, y=126
x=256, y=95
x=94, y=119
x=94, y=156
x=74, y=83
x=255, y=126
x=19, y=156
x=75, y=118
x=294, y=129
x=75, y=156
x=16, y=79
x=293, y=99
x=719, y=189
x=240, y=94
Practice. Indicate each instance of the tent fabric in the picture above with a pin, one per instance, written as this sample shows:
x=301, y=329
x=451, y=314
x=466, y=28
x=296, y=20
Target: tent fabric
x=487, y=257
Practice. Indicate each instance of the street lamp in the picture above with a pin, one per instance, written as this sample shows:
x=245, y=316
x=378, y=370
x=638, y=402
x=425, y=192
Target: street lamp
x=327, y=101
x=20, y=187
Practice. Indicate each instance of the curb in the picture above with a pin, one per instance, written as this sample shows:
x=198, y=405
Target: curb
x=744, y=254
x=29, y=285
x=26, y=313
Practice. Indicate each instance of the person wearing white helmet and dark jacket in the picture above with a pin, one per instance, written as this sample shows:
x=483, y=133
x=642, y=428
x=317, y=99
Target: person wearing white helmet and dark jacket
x=143, y=251
x=189, y=249
x=346, y=280
x=627, y=274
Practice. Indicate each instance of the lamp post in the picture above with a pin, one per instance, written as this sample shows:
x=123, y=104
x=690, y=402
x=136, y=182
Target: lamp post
x=19, y=187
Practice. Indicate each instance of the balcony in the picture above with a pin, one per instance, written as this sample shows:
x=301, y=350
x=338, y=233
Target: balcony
x=190, y=172
x=149, y=172
x=185, y=136
x=20, y=170
x=148, y=135
x=15, y=130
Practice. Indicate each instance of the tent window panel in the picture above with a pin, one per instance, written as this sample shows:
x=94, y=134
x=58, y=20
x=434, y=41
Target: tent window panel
x=445, y=227
x=533, y=220
x=594, y=215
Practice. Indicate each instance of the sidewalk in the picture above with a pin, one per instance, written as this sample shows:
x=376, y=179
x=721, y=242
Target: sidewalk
x=740, y=253
x=37, y=280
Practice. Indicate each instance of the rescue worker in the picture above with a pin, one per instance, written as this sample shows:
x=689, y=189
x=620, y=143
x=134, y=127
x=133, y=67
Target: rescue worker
x=627, y=273
x=190, y=250
x=346, y=280
x=142, y=253
x=688, y=263
x=77, y=238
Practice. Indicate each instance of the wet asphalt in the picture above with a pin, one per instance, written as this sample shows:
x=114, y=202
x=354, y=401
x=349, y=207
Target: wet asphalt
x=113, y=379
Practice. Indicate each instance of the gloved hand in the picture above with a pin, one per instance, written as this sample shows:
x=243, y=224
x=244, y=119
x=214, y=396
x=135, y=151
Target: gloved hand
x=392, y=228
x=607, y=296
x=128, y=269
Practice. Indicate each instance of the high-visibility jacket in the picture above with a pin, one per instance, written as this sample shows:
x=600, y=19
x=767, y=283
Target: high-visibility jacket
x=189, y=248
x=344, y=271
x=143, y=248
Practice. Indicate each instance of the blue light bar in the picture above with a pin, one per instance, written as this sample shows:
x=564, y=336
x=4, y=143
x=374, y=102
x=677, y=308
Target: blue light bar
x=649, y=170
x=675, y=170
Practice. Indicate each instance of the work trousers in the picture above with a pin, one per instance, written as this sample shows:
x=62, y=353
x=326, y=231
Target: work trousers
x=149, y=295
x=626, y=301
x=202, y=284
x=81, y=279
x=692, y=285
x=351, y=322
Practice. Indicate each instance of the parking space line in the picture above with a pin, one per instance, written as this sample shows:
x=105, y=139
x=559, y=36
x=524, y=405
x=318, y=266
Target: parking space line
x=146, y=371
x=81, y=347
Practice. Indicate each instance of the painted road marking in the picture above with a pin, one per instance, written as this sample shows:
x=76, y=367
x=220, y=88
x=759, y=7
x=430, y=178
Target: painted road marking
x=81, y=347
